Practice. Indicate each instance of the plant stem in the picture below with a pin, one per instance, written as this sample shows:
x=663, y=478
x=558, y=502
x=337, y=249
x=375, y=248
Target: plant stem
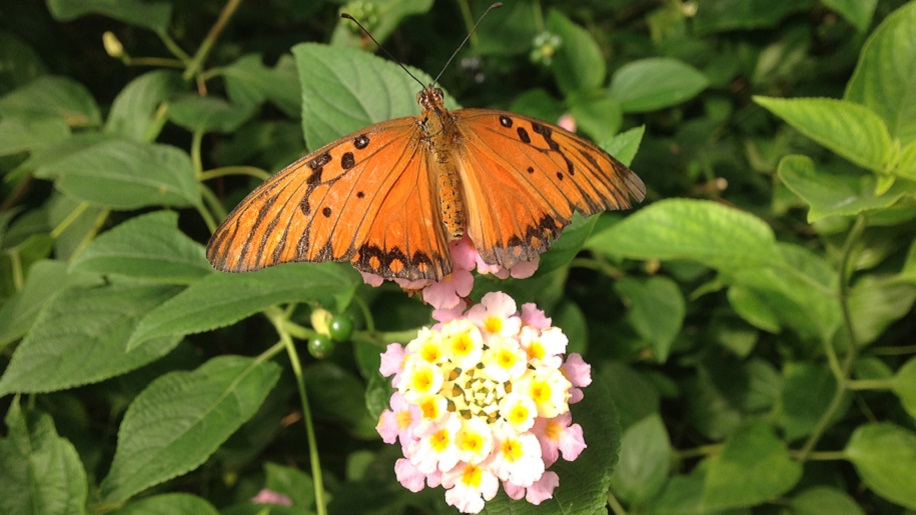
x=279, y=321
x=840, y=370
x=205, y=47
x=234, y=170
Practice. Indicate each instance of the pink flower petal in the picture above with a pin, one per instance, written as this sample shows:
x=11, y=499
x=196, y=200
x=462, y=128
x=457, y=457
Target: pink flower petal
x=409, y=476
x=534, y=317
x=543, y=488
x=392, y=359
x=448, y=292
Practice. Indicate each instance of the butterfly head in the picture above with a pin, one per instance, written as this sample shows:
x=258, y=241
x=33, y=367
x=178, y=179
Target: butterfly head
x=431, y=98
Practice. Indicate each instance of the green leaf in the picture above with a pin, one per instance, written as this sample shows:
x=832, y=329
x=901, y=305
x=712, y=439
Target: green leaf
x=655, y=83
x=681, y=496
x=584, y=482
x=21, y=63
x=806, y=393
x=165, y=504
x=54, y=97
x=877, y=302
x=567, y=247
x=578, y=64
x=657, y=310
x=27, y=134
x=181, y=418
x=856, y=12
x=596, y=115
x=885, y=457
x=208, y=114
x=849, y=130
x=222, y=299
x=146, y=247
x=79, y=338
x=645, y=458
x=249, y=82
x=829, y=194
x=906, y=165
x=904, y=385
x=633, y=394
x=724, y=15
x=824, y=499
x=624, y=146
x=45, y=280
x=337, y=395
x=151, y=15
x=344, y=90
x=754, y=467
x=884, y=80
x=42, y=472
x=133, y=112
x=774, y=294
x=381, y=16
x=126, y=175
x=710, y=233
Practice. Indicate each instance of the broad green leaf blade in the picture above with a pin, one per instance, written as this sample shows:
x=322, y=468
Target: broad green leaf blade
x=208, y=114
x=126, y=175
x=884, y=80
x=906, y=166
x=151, y=15
x=633, y=394
x=565, y=248
x=624, y=146
x=133, y=112
x=222, y=299
x=168, y=504
x=578, y=64
x=596, y=115
x=875, y=303
x=45, y=280
x=657, y=310
x=146, y=247
x=655, y=83
x=645, y=458
x=712, y=234
x=80, y=337
x=775, y=294
x=249, y=82
x=904, y=385
x=806, y=393
x=829, y=194
x=856, y=12
x=41, y=471
x=181, y=418
x=754, y=467
x=584, y=482
x=824, y=499
x=54, y=97
x=885, y=457
x=27, y=134
x=849, y=130
x=344, y=90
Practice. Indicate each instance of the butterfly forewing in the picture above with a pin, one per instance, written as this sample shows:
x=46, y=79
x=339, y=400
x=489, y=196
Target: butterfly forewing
x=367, y=198
x=523, y=179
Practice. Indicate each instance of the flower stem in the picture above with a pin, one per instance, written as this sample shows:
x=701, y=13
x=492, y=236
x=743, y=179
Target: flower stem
x=278, y=319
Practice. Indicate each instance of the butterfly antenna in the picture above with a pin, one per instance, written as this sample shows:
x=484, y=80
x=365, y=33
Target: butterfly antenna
x=393, y=58
x=466, y=38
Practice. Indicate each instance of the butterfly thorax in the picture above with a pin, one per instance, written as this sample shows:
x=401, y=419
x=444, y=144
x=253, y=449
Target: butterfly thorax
x=442, y=135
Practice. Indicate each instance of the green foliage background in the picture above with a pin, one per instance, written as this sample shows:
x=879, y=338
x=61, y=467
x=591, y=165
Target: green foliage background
x=750, y=326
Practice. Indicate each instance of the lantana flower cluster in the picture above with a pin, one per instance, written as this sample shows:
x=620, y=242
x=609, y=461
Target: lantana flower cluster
x=483, y=399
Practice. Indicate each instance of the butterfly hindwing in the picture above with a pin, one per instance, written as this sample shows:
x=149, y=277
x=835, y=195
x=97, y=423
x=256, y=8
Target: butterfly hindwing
x=354, y=199
x=523, y=179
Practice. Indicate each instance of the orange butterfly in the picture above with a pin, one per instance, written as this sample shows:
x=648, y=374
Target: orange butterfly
x=390, y=197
